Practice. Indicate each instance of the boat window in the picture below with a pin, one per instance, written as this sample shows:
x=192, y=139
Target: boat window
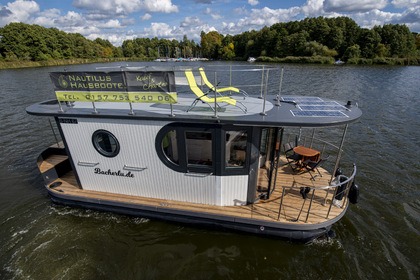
x=170, y=147
x=199, y=148
x=105, y=143
x=236, y=148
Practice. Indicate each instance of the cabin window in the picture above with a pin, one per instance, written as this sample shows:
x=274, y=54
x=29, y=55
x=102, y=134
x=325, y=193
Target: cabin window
x=199, y=148
x=236, y=148
x=105, y=143
x=170, y=147
x=205, y=148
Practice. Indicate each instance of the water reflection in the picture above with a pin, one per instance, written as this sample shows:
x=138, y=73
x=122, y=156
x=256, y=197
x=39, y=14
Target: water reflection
x=378, y=238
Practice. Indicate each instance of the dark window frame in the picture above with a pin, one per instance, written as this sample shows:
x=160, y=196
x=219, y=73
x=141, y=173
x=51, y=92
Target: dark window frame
x=100, y=149
x=219, y=166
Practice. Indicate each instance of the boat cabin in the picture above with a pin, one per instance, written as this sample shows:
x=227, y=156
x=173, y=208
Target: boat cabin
x=142, y=139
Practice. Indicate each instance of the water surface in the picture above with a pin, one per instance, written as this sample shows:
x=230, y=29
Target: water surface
x=377, y=239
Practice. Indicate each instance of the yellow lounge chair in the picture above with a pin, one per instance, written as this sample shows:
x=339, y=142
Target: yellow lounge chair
x=221, y=89
x=201, y=96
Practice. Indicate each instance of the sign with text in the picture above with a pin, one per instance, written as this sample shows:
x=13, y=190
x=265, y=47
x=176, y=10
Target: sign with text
x=151, y=86
x=121, y=86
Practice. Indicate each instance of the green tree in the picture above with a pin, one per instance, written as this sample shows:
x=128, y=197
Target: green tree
x=316, y=49
x=398, y=39
x=210, y=44
x=352, y=52
x=295, y=44
x=128, y=48
x=369, y=41
x=228, y=52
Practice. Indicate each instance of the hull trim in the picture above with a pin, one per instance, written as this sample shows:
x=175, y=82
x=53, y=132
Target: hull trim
x=295, y=233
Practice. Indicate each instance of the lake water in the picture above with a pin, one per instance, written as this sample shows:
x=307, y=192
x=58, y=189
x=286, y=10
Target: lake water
x=377, y=239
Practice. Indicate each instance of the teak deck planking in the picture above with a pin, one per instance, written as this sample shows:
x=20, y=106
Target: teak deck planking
x=264, y=210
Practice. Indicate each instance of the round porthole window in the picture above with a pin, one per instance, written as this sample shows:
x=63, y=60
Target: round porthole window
x=105, y=143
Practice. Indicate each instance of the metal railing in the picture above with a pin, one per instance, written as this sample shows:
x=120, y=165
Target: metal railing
x=340, y=193
x=259, y=81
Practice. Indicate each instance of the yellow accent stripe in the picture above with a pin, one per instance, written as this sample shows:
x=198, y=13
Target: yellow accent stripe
x=106, y=96
x=153, y=97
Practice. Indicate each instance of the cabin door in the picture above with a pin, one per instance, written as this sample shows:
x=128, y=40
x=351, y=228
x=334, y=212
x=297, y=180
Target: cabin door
x=269, y=156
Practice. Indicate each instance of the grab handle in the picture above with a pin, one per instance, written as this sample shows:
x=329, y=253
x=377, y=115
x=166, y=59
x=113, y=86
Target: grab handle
x=134, y=168
x=201, y=175
x=88, y=164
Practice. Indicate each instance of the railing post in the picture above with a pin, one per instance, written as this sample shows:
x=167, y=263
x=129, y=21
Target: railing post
x=281, y=82
x=61, y=108
x=94, y=108
x=312, y=138
x=215, y=96
x=263, y=113
x=53, y=131
x=281, y=203
x=262, y=83
x=340, y=149
x=310, y=205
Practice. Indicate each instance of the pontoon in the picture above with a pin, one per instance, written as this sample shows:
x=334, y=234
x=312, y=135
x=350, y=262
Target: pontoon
x=146, y=141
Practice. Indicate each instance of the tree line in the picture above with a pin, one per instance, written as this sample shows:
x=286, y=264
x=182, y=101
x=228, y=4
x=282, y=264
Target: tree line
x=326, y=38
x=335, y=38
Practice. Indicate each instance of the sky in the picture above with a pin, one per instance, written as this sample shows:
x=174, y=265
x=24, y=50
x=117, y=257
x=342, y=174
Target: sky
x=119, y=20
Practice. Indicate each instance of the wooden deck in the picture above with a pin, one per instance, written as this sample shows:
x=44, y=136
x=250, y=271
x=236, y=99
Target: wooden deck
x=294, y=209
x=51, y=162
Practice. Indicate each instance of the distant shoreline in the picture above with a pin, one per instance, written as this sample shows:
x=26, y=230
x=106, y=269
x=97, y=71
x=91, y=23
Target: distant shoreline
x=62, y=62
x=289, y=59
x=352, y=61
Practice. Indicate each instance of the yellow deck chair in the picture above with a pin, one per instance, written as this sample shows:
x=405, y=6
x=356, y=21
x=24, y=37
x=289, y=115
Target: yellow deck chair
x=221, y=89
x=201, y=96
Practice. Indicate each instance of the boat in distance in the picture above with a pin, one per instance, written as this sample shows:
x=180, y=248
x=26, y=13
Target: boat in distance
x=205, y=146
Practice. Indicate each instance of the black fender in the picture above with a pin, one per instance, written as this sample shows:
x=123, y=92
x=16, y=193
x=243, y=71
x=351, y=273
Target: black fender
x=353, y=193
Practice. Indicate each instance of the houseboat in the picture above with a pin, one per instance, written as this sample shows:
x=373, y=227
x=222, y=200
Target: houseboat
x=208, y=147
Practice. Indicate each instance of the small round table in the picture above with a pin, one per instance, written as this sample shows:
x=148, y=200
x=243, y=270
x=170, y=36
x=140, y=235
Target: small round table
x=307, y=153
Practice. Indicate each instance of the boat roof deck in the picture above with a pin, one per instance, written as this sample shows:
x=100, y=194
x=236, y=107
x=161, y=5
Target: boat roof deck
x=292, y=111
x=294, y=209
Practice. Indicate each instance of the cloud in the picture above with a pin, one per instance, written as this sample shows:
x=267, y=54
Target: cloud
x=113, y=23
x=4, y=12
x=405, y=3
x=159, y=29
x=71, y=19
x=47, y=17
x=213, y=15
x=259, y=18
x=411, y=16
x=190, y=21
x=375, y=17
x=353, y=5
x=313, y=8
x=146, y=16
x=163, y=6
x=123, y=7
x=18, y=11
x=253, y=2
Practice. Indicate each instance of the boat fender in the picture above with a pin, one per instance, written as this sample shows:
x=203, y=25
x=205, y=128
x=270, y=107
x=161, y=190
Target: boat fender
x=340, y=189
x=338, y=172
x=353, y=193
x=304, y=192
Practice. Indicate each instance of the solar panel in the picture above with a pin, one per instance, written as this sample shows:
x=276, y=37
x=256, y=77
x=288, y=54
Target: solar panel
x=327, y=103
x=312, y=113
x=311, y=106
x=320, y=107
x=299, y=99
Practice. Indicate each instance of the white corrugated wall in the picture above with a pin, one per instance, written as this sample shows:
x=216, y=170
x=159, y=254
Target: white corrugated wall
x=137, y=149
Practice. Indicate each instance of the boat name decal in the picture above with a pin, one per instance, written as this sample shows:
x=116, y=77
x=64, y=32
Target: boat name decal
x=74, y=121
x=113, y=173
x=118, y=86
